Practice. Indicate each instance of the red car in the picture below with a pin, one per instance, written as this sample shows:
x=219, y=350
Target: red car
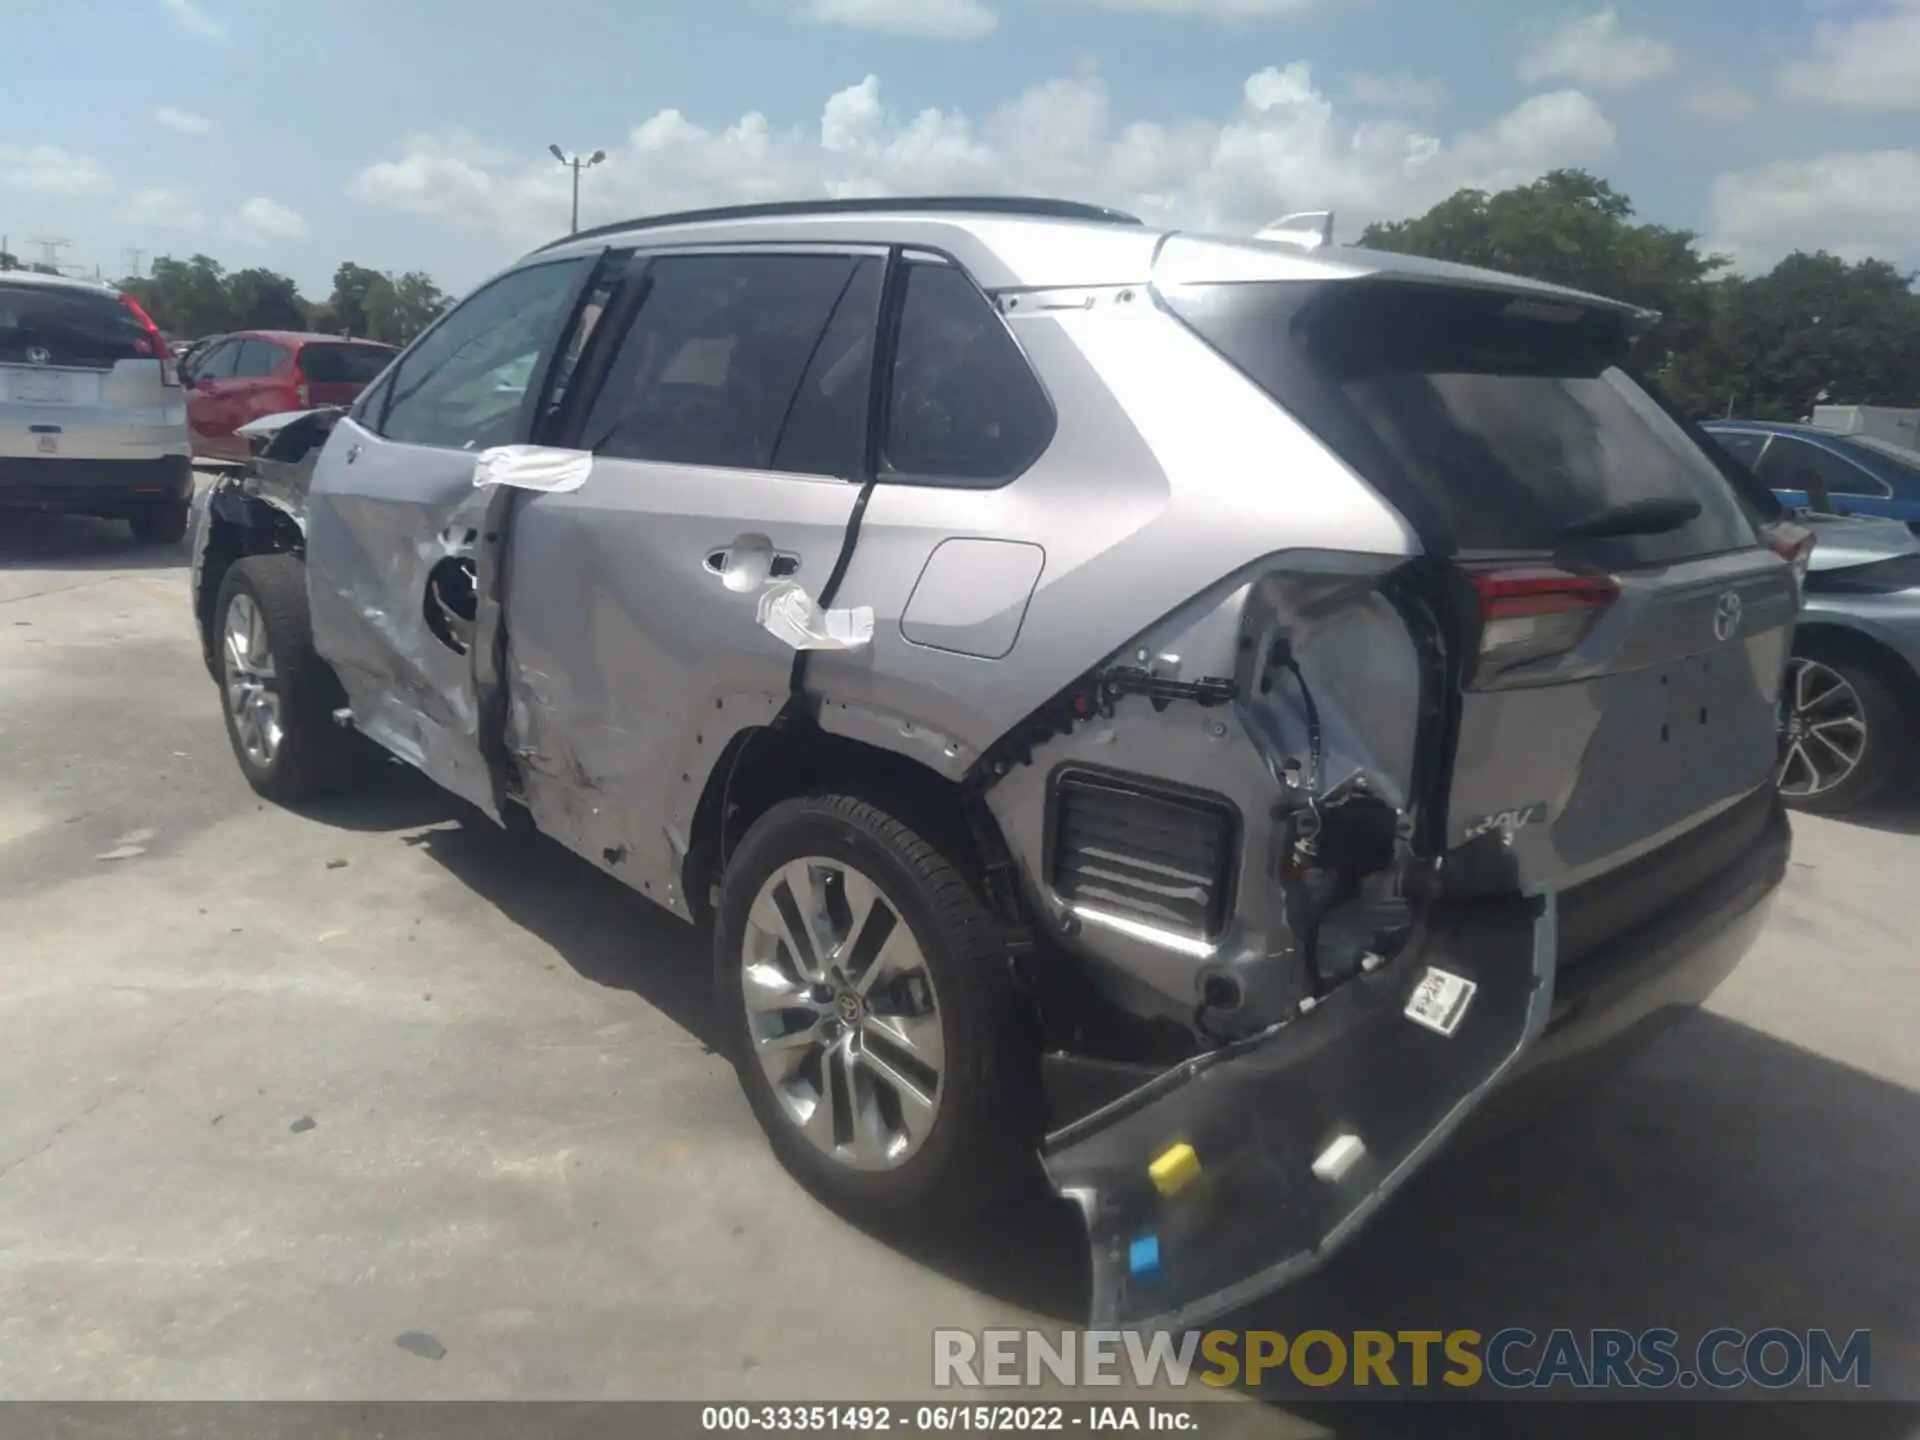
x=252, y=373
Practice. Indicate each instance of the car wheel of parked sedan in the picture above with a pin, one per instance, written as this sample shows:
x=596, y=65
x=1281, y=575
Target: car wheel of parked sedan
x=162, y=524
x=869, y=1008
x=280, y=696
x=1839, y=721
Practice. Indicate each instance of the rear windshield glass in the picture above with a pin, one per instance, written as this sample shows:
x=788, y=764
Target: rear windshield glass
x=343, y=364
x=53, y=325
x=1497, y=422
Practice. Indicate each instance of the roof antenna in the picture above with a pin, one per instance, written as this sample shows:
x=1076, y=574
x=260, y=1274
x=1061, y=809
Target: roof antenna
x=1310, y=229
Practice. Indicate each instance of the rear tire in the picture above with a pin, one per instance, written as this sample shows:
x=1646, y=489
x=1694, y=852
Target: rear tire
x=279, y=694
x=164, y=523
x=903, y=1160
x=1864, y=719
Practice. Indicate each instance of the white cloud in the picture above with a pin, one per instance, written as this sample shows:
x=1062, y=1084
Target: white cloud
x=1282, y=148
x=1872, y=63
x=919, y=19
x=190, y=17
x=161, y=209
x=260, y=221
x=1219, y=11
x=182, y=121
x=1594, y=52
x=1397, y=91
x=1722, y=102
x=49, y=170
x=1855, y=204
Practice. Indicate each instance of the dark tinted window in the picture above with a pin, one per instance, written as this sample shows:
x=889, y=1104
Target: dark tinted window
x=216, y=361
x=963, y=407
x=581, y=329
x=84, y=328
x=1497, y=420
x=710, y=366
x=463, y=383
x=344, y=364
x=1743, y=445
x=1794, y=464
x=258, y=358
x=826, y=429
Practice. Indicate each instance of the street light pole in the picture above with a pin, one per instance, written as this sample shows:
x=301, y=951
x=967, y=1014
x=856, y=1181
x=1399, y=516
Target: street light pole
x=576, y=164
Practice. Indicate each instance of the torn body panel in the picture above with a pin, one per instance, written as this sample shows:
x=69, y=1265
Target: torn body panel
x=389, y=527
x=635, y=652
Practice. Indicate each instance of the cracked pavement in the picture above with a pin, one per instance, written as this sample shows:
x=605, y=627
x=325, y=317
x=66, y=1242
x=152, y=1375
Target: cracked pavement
x=267, y=1113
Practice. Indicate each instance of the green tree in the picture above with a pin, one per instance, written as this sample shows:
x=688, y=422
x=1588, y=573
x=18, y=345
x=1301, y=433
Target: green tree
x=263, y=300
x=9, y=260
x=1572, y=228
x=399, y=307
x=345, y=312
x=1813, y=330
x=187, y=298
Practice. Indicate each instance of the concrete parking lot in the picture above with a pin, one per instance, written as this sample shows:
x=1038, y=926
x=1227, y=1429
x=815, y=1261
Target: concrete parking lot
x=380, y=1102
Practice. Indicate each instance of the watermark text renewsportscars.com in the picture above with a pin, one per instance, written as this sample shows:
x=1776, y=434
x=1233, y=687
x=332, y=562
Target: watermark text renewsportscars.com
x=1514, y=1358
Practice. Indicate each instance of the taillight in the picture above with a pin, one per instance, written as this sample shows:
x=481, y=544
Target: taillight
x=1532, y=612
x=156, y=343
x=300, y=390
x=1793, y=544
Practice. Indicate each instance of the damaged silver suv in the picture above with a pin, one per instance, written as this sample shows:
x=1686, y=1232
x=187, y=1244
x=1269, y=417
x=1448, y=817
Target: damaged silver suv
x=1206, y=710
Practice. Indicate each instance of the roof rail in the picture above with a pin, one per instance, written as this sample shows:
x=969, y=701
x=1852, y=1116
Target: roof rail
x=924, y=204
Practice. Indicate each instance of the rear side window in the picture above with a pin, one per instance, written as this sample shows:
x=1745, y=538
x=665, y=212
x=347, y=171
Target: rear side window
x=1499, y=421
x=713, y=363
x=963, y=407
x=326, y=364
x=54, y=325
x=826, y=429
x=463, y=383
x=258, y=359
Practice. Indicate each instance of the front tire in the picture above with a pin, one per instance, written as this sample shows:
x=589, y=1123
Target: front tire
x=279, y=694
x=870, y=1015
x=1841, y=721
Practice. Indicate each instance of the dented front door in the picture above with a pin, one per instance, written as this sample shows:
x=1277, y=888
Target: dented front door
x=394, y=521
x=647, y=611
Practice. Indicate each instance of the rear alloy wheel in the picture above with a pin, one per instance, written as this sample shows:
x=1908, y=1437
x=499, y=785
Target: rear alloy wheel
x=871, y=1016
x=279, y=696
x=161, y=524
x=1838, y=723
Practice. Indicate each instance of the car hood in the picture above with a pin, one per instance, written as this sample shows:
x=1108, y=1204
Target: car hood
x=1845, y=541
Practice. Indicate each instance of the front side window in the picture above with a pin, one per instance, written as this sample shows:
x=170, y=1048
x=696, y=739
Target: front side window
x=1795, y=464
x=463, y=384
x=712, y=363
x=963, y=406
x=217, y=363
x=1743, y=445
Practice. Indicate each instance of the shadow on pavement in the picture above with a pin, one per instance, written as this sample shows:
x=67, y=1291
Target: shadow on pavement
x=1896, y=812
x=30, y=540
x=1724, y=1178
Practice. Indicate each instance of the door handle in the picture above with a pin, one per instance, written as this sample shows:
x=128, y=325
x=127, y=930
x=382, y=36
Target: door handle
x=353, y=452
x=780, y=567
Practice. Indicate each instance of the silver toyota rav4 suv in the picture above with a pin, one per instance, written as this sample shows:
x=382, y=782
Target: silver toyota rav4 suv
x=1204, y=710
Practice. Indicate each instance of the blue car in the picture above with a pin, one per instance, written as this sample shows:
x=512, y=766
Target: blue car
x=1825, y=470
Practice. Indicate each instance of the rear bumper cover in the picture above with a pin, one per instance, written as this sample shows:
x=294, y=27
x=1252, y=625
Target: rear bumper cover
x=93, y=486
x=1256, y=1115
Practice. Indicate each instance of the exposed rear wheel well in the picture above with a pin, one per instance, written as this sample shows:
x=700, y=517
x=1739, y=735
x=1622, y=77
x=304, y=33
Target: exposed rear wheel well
x=237, y=526
x=1841, y=643
x=793, y=756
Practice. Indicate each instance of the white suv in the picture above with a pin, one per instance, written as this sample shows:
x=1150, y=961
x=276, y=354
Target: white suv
x=92, y=417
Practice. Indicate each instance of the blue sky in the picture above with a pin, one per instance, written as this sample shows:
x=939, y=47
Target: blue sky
x=414, y=135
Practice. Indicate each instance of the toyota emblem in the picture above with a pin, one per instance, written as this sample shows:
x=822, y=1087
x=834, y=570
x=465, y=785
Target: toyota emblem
x=38, y=355
x=1726, y=616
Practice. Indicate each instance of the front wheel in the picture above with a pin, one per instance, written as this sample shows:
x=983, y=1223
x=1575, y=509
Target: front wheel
x=280, y=696
x=1840, y=725
x=868, y=1005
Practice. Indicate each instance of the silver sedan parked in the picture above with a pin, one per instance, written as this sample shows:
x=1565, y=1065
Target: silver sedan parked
x=1852, y=700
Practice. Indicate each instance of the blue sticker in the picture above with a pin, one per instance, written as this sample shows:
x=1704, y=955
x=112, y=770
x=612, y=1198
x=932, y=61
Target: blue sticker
x=1143, y=1256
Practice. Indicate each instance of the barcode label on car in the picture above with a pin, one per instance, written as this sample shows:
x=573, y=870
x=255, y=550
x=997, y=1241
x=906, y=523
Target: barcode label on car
x=1440, y=1000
